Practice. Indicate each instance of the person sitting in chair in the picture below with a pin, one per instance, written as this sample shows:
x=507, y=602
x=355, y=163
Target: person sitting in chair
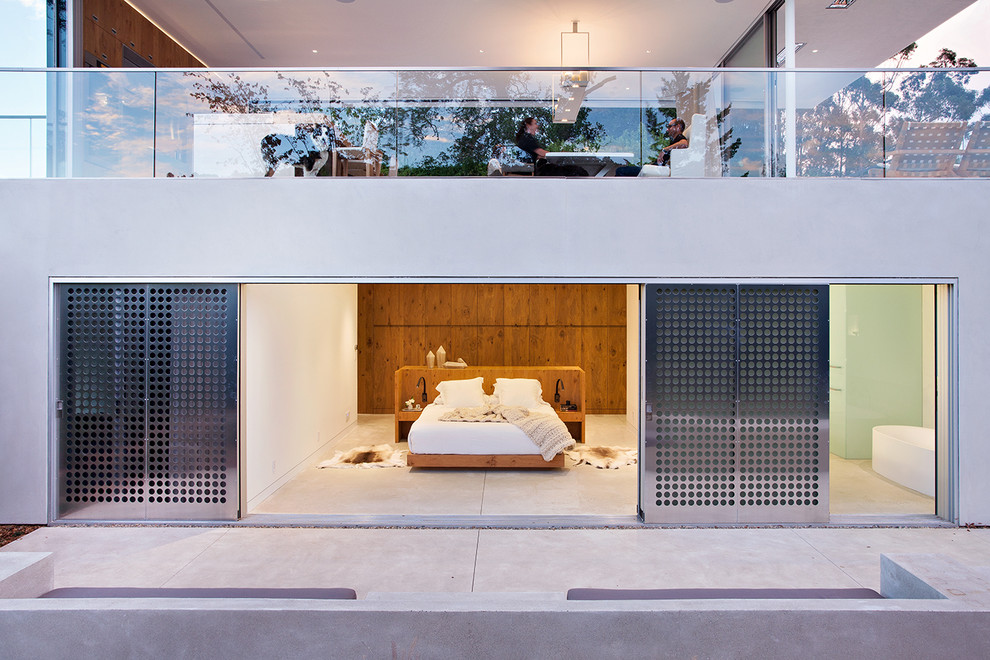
x=526, y=140
x=675, y=133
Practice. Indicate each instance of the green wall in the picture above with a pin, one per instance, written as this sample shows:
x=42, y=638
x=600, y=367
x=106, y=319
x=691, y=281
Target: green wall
x=876, y=337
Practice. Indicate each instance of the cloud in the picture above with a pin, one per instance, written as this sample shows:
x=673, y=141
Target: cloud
x=39, y=6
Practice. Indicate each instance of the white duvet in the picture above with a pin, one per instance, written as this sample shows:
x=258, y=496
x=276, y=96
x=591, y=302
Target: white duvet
x=428, y=435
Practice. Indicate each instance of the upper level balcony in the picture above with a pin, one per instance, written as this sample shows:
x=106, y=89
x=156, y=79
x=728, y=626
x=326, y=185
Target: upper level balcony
x=212, y=123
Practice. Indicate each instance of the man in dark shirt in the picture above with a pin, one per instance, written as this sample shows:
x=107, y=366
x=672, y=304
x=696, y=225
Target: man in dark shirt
x=526, y=140
x=675, y=132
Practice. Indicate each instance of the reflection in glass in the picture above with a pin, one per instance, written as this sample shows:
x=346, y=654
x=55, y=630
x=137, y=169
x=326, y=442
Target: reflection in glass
x=113, y=124
x=840, y=125
x=211, y=123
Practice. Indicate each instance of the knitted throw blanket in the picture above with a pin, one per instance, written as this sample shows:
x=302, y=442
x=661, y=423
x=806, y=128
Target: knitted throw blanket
x=546, y=430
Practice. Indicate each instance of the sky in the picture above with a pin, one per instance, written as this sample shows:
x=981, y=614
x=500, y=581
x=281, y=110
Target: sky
x=23, y=33
x=966, y=33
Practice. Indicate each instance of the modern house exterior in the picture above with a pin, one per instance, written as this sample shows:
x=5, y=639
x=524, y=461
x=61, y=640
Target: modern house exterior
x=131, y=275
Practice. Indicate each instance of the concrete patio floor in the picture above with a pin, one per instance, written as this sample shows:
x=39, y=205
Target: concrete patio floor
x=500, y=593
x=487, y=560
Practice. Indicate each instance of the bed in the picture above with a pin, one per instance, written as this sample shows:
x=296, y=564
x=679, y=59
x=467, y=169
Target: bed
x=463, y=444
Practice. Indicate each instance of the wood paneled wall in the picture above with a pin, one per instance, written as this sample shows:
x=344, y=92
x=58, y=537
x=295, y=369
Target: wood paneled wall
x=493, y=325
x=110, y=24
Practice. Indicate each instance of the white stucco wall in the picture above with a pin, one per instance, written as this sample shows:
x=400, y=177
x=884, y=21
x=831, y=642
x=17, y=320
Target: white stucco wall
x=617, y=230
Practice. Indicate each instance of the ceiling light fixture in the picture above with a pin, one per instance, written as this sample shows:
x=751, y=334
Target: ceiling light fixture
x=575, y=48
x=841, y=4
x=575, y=54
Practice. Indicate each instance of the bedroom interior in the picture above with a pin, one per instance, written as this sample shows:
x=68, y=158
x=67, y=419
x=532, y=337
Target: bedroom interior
x=350, y=340
x=319, y=376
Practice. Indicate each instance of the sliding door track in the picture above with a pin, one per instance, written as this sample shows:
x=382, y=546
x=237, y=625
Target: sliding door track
x=378, y=521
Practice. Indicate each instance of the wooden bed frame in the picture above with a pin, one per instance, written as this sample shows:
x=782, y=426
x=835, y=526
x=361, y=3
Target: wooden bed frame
x=508, y=461
x=573, y=389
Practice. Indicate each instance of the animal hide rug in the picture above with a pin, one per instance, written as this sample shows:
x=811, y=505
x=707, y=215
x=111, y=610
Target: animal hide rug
x=367, y=457
x=611, y=458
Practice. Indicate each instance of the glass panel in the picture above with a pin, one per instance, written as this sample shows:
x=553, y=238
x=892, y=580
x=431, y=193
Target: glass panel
x=15, y=152
x=611, y=115
x=937, y=123
x=113, y=122
x=212, y=123
x=840, y=124
x=745, y=151
x=22, y=111
x=452, y=122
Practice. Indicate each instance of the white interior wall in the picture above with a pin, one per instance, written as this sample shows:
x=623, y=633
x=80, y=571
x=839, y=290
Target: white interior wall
x=632, y=355
x=928, y=356
x=298, y=377
x=380, y=228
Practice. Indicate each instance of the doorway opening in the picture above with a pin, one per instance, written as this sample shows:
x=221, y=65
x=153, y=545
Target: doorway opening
x=318, y=378
x=883, y=347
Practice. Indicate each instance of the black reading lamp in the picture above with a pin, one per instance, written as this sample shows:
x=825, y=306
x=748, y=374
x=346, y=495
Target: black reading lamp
x=557, y=389
x=423, y=381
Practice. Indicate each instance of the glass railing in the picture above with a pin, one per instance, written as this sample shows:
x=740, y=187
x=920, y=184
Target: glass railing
x=253, y=123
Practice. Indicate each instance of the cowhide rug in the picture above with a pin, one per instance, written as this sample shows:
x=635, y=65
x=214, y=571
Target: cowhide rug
x=611, y=458
x=367, y=457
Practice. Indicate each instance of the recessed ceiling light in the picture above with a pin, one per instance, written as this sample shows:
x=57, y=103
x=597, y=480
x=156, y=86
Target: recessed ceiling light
x=648, y=52
x=315, y=51
x=480, y=50
x=346, y=2
x=815, y=50
x=723, y=2
x=841, y=4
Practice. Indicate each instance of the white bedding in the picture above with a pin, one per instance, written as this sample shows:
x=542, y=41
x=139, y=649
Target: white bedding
x=428, y=435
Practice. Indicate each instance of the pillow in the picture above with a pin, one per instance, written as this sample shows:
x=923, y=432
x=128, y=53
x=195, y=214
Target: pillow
x=525, y=392
x=466, y=393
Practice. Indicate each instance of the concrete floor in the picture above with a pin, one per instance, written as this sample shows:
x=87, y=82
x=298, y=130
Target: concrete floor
x=422, y=491
x=854, y=488
x=471, y=560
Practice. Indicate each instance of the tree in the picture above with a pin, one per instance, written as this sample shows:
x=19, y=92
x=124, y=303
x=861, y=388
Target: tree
x=939, y=95
x=843, y=136
x=848, y=133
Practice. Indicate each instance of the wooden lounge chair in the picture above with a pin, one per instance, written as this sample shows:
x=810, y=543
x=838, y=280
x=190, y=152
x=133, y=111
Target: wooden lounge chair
x=365, y=160
x=976, y=158
x=927, y=149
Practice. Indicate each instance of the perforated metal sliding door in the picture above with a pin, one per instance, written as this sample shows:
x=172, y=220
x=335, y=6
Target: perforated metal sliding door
x=737, y=404
x=148, y=397
x=783, y=404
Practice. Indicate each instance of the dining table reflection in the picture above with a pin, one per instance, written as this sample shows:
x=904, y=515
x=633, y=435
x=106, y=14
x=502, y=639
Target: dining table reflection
x=596, y=163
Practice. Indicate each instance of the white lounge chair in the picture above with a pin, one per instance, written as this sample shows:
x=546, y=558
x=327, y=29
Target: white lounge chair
x=688, y=162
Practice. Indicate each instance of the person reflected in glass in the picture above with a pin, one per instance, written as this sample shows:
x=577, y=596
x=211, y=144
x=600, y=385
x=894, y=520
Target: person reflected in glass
x=526, y=140
x=675, y=133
